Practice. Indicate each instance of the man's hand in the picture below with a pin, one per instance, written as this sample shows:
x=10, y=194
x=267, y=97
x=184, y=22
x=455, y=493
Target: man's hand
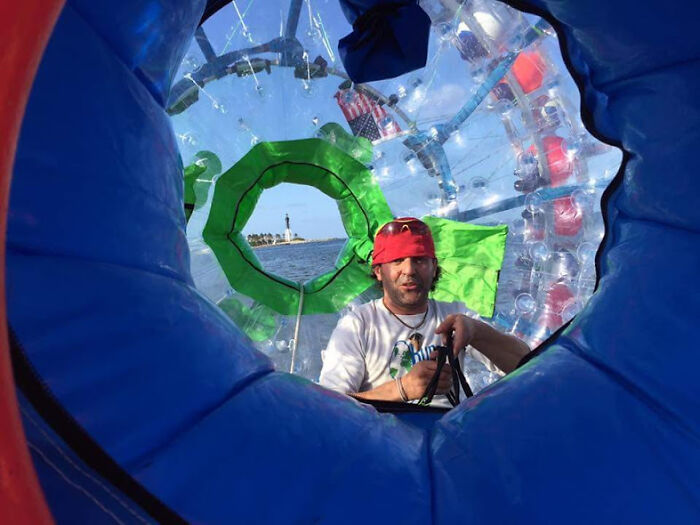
x=416, y=380
x=505, y=351
x=463, y=328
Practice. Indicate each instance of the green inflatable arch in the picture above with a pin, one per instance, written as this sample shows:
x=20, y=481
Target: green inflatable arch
x=312, y=162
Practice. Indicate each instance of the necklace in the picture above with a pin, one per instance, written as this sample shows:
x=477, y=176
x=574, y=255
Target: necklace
x=425, y=316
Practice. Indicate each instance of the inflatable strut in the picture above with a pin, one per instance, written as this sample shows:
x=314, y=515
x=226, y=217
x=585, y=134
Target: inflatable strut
x=143, y=401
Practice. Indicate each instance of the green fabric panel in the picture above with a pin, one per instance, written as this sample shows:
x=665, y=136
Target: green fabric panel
x=259, y=322
x=312, y=162
x=470, y=258
x=198, y=179
x=191, y=173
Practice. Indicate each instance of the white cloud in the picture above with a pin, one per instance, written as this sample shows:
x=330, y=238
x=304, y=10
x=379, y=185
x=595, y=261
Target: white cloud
x=444, y=100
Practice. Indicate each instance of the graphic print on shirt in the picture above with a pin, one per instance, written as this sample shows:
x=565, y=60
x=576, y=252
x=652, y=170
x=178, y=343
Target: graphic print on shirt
x=407, y=352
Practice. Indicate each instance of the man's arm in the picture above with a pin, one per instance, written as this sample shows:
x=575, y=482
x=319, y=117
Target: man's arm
x=389, y=391
x=414, y=383
x=505, y=351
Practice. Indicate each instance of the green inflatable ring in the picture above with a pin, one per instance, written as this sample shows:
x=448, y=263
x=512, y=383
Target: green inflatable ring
x=312, y=162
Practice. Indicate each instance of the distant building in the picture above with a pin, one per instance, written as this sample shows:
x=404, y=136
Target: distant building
x=287, y=231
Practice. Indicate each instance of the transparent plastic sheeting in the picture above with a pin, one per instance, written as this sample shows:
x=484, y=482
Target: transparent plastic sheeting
x=470, y=256
x=600, y=428
x=488, y=133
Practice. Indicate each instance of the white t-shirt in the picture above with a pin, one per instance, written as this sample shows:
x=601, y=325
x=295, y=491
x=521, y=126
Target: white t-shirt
x=370, y=347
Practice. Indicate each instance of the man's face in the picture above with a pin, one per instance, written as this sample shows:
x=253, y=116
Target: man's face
x=406, y=283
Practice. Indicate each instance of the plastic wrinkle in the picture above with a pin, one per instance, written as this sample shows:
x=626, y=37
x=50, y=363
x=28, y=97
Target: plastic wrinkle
x=189, y=426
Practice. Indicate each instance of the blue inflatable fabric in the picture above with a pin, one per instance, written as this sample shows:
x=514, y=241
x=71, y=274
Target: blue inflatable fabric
x=389, y=38
x=101, y=300
x=602, y=427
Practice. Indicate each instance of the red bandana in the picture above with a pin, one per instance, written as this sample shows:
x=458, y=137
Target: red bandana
x=403, y=237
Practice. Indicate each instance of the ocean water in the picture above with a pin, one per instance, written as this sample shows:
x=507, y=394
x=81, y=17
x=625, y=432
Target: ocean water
x=300, y=261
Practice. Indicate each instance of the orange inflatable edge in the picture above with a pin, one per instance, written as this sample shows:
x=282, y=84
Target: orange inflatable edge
x=24, y=31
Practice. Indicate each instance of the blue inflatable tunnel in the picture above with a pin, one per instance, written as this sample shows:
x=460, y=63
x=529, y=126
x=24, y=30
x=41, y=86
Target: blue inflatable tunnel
x=141, y=401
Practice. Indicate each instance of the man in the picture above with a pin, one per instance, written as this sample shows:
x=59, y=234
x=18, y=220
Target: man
x=384, y=350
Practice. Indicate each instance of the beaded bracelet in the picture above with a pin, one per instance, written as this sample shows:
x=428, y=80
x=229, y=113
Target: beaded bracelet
x=402, y=392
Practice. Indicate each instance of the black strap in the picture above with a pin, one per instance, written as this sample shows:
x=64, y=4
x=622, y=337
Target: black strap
x=445, y=354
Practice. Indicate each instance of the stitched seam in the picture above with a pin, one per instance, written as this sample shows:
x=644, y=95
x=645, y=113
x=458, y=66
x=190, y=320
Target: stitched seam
x=77, y=467
x=94, y=499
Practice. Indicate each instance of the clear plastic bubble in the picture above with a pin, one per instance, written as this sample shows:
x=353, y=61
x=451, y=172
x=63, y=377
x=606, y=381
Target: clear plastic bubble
x=445, y=32
x=582, y=199
x=476, y=373
x=525, y=303
x=538, y=251
x=517, y=227
x=415, y=82
x=570, y=310
x=412, y=163
x=562, y=265
x=301, y=366
x=268, y=346
x=479, y=184
x=586, y=252
x=534, y=203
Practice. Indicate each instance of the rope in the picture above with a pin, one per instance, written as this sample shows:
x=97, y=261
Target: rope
x=295, y=341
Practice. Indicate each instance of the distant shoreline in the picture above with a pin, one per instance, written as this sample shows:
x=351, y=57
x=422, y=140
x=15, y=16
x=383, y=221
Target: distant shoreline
x=305, y=241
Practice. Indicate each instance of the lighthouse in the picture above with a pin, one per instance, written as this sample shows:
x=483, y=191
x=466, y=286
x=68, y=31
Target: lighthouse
x=287, y=231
